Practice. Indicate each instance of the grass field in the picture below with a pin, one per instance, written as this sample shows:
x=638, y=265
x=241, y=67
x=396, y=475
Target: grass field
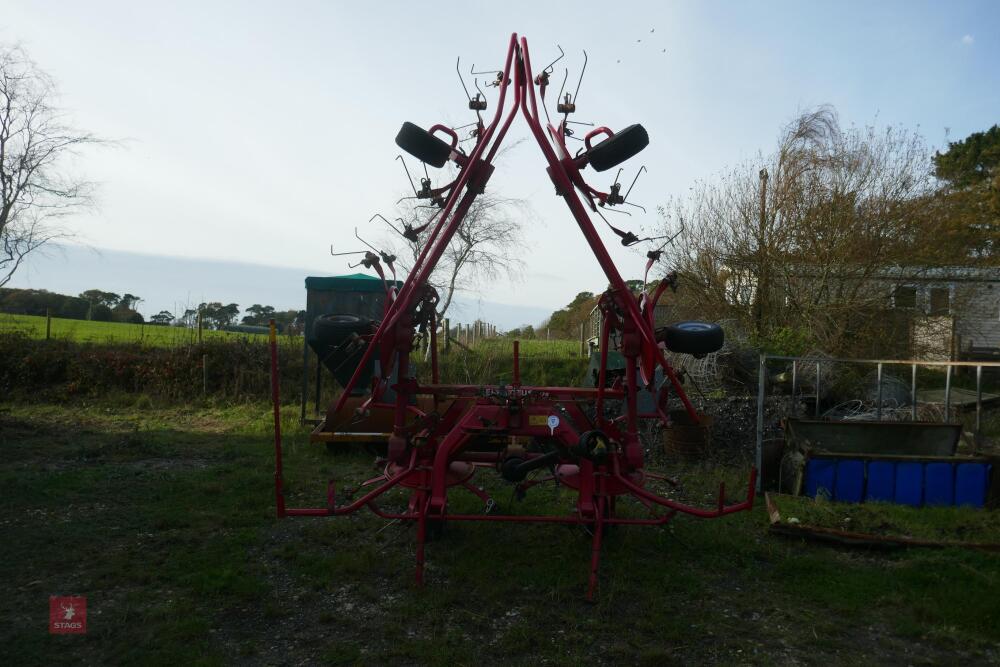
x=83, y=331
x=504, y=347
x=163, y=517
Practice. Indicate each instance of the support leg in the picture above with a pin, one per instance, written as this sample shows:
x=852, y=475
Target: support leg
x=595, y=551
x=421, y=538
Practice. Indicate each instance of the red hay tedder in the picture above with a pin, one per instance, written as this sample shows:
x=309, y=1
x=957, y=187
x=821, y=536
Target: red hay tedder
x=442, y=434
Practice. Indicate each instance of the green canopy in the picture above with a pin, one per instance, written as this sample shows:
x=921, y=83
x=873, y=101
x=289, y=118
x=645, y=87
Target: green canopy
x=355, y=282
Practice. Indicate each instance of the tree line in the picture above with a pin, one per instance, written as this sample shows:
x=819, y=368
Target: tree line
x=101, y=306
x=94, y=304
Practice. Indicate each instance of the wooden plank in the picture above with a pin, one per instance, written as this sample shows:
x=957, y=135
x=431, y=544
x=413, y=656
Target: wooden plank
x=959, y=396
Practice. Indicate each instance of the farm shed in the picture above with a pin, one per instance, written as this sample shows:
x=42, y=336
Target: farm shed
x=931, y=313
x=955, y=310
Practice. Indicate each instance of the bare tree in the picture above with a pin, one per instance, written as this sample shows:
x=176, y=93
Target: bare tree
x=797, y=238
x=487, y=244
x=36, y=186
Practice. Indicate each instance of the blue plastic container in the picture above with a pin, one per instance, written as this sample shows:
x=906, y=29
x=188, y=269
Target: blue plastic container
x=849, y=485
x=881, y=481
x=971, y=480
x=820, y=476
x=909, y=484
x=939, y=484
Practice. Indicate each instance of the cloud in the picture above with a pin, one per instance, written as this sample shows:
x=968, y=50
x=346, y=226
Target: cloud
x=968, y=40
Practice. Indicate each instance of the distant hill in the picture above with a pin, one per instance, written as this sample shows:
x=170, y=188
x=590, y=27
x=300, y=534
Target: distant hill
x=176, y=283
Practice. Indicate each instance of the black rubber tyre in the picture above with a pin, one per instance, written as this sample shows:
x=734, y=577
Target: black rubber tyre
x=423, y=145
x=692, y=337
x=334, y=329
x=612, y=152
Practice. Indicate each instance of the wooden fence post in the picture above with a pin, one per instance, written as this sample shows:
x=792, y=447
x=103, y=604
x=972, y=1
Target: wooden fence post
x=204, y=375
x=199, y=326
x=48, y=324
x=447, y=334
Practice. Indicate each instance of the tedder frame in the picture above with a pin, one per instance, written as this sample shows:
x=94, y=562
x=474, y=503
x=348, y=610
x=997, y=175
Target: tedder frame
x=515, y=429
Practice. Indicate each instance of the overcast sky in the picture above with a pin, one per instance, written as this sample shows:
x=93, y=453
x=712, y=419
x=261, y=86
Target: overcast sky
x=263, y=132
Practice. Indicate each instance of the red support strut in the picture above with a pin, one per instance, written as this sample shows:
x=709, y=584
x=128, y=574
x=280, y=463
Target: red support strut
x=519, y=430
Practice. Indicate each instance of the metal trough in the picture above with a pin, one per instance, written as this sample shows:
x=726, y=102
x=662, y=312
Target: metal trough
x=877, y=438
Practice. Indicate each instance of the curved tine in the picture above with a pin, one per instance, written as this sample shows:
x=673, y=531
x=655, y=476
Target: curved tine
x=489, y=71
x=562, y=54
x=609, y=209
x=598, y=212
x=628, y=239
x=545, y=108
x=402, y=199
x=341, y=254
x=408, y=177
x=461, y=79
x=391, y=226
x=365, y=242
x=637, y=174
x=579, y=122
x=636, y=205
x=563, y=86
x=476, y=81
x=669, y=240
x=577, y=93
x=617, y=176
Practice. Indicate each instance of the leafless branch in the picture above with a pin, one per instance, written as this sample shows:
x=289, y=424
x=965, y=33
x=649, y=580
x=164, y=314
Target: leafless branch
x=36, y=187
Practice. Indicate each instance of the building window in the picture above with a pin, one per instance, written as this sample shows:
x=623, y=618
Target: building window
x=940, y=301
x=904, y=296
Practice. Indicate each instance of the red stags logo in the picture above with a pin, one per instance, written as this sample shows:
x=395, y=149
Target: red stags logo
x=67, y=615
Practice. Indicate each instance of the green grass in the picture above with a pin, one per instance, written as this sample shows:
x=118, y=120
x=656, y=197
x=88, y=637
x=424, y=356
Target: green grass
x=568, y=349
x=83, y=331
x=162, y=515
x=928, y=523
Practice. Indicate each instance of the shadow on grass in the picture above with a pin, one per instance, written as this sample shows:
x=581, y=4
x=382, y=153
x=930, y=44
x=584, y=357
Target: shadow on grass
x=164, y=519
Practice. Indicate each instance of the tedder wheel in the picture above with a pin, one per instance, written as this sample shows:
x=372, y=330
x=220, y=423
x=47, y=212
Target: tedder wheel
x=692, y=337
x=423, y=145
x=334, y=329
x=612, y=152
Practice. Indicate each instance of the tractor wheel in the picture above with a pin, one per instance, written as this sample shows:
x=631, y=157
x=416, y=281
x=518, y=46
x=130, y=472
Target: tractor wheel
x=612, y=152
x=697, y=338
x=423, y=145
